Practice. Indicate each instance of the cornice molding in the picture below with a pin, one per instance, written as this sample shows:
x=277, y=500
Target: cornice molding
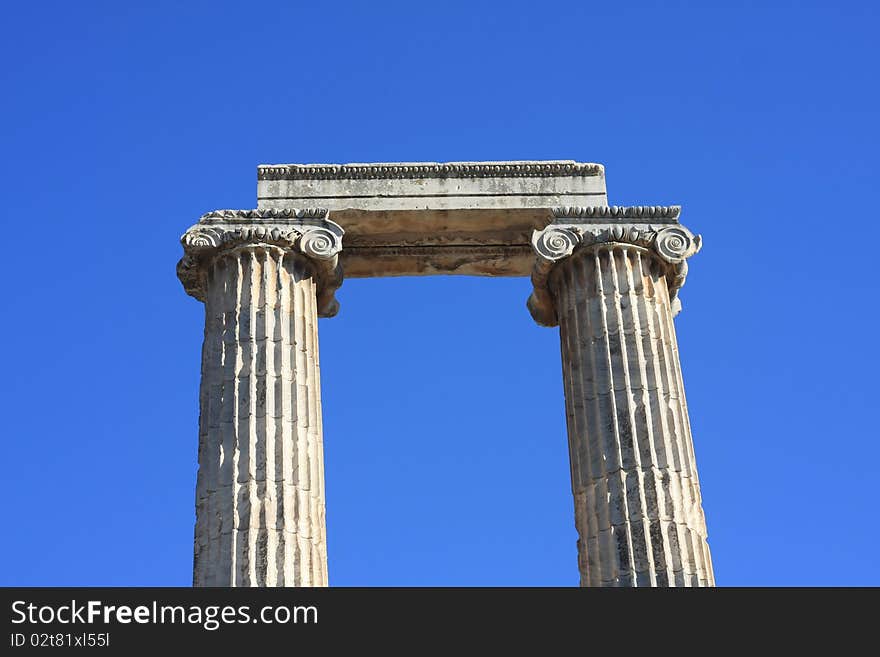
x=427, y=170
x=671, y=244
x=643, y=212
x=265, y=213
x=307, y=232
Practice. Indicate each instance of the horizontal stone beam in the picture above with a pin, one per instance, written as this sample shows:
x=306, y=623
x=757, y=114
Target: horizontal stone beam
x=398, y=209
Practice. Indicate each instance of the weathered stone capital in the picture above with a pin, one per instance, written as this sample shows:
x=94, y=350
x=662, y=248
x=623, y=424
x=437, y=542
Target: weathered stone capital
x=308, y=232
x=652, y=228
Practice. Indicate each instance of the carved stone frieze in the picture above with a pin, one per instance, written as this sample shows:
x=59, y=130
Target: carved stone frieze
x=427, y=170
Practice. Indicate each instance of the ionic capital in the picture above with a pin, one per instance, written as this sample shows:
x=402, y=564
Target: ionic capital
x=308, y=232
x=652, y=228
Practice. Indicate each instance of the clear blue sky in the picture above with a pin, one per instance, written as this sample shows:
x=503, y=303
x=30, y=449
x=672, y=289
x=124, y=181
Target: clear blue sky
x=446, y=457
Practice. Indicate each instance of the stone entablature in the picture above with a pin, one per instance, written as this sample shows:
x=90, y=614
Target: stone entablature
x=413, y=219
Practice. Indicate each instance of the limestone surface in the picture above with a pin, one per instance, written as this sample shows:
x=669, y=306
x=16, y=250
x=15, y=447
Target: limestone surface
x=260, y=486
x=637, y=499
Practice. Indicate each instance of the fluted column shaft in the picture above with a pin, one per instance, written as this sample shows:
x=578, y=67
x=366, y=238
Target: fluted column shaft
x=637, y=499
x=260, y=488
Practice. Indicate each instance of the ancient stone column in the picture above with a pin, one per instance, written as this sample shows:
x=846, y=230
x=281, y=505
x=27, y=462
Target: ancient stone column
x=265, y=277
x=609, y=278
